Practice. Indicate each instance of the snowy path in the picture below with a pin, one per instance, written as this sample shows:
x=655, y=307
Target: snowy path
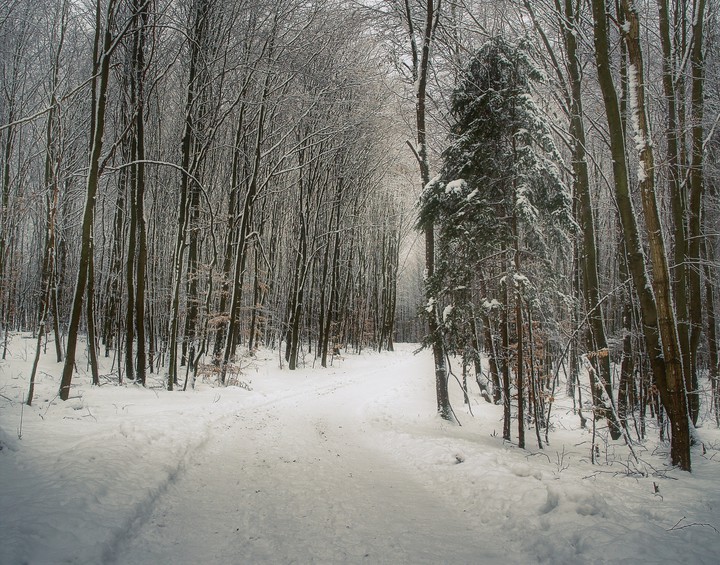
x=342, y=465
x=297, y=480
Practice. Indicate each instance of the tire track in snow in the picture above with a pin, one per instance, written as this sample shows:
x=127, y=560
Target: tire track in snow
x=296, y=479
x=142, y=510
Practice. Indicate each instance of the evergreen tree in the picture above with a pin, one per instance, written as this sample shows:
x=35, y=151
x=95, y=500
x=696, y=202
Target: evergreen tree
x=499, y=202
x=501, y=162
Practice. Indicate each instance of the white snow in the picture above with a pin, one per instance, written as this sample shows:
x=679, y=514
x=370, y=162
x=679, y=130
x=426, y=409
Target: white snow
x=430, y=305
x=641, y=141
x=456, y=186
x=431, y=184
x=348, y=464
x=520, y=280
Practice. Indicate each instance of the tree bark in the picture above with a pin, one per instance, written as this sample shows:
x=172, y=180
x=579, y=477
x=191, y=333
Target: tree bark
x=581, y=182
x=519, y=333
x=665, y=360
x=676, y=190
x=697, y=189
x=248, y=201
x=505, y=335
x=102, y=65
x=141, y=11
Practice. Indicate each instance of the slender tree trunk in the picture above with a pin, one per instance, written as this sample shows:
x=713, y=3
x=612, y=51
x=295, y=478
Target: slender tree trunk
x=323, y=299
x=102, y=64
x=535, y=393
x=141, y=10
x=334, y=295
x=231, y=329
x=112, y=286
x=697, y=189
x=252, y=334
x=421, y=64
x=519, y=332
x=297, y=297
x=52, y=186
x=627, y=368
x=49, y=267
x=474, y=352
x=581, y=184
x=90, y=316
x=492, y=353
x=713, y=357
x=231, y=232
x=187, y=184
x=672, y=355
x=505, y=335
x=677, y=196
x=130, y=266
x=326, y=318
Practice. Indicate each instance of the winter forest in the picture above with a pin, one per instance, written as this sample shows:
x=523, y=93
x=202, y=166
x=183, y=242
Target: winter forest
x=528, y=189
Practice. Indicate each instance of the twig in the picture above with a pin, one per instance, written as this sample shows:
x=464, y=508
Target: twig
x=675, y=527
x=49, y=404
x=538, y=453
x=463, y=388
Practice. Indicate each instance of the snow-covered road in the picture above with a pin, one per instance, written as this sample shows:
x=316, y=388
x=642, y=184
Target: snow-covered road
x=299, y=479
x=349, y=464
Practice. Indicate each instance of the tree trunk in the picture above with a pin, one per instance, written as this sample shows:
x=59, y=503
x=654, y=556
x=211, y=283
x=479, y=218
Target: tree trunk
x=713, y=357
x=519, y=332
x=676, y=187
x=90, y=315
x=100, y=82
x=130, y=265
x=697, y=189
x=112, y=286
x=421, y=64
x=334, y=294
x=672, y=355
x=665, y=361
x=297, y=296
x=505, y=334
x=141, y=11
x=581, y=185
x=188, y=188
x=49, y=269
x=626, y=386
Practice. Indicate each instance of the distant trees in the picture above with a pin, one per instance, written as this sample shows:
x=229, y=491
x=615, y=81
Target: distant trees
x=232, y=158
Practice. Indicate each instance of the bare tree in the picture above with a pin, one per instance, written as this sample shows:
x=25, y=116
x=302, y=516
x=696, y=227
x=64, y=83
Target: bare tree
x=104, y=46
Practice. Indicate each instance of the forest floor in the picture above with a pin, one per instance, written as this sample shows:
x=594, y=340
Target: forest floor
x=348, y=464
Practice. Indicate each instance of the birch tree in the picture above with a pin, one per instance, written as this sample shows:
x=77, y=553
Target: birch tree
x=655, y=299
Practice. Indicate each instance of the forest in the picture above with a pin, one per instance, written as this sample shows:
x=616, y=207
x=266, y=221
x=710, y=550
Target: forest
x=528, y=188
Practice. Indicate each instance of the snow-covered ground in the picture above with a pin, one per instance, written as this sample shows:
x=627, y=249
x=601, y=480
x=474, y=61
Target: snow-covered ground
x=342, y=465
